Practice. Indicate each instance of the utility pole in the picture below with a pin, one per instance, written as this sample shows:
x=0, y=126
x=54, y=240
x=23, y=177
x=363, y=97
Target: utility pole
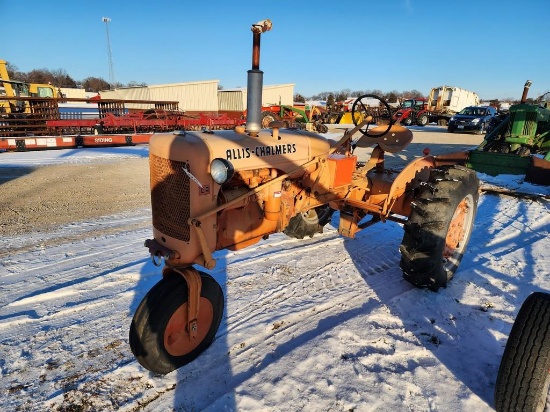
x=107, y=20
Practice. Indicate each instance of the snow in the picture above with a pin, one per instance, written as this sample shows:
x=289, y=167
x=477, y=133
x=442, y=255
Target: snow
x=321, y=324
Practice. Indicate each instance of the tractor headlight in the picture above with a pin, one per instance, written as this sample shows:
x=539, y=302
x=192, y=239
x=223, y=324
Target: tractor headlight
x=476, y=121
x=221, y=171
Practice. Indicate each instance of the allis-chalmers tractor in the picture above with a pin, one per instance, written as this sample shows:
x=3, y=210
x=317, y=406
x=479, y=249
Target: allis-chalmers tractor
x=229, y=189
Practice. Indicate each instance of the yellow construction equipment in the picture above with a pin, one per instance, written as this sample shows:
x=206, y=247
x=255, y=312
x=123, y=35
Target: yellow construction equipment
x=16, y=88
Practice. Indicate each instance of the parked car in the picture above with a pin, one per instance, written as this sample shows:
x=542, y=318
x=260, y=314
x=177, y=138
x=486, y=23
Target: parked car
x=472, y=119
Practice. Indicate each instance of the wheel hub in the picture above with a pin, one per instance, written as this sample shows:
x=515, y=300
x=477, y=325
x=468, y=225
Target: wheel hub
x=457, y=229
x=177, y=337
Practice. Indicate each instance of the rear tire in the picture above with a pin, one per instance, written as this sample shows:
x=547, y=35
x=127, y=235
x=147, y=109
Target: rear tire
x=523, y=378
x=422, y=120
x=309, y=223
x=439, y=227
x=159, y=312
x=406, y=122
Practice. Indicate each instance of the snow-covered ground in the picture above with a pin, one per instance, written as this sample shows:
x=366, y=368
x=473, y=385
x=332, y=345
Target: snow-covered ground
x=323, y=324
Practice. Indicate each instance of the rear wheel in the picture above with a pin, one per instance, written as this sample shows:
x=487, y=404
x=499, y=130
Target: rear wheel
x=309, y=223
x=523, y=378
x=422, y=120
x=159, y=338
x=439, y=227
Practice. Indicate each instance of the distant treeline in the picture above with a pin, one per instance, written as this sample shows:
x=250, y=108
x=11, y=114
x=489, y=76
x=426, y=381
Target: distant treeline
x=342, y=95
x=60, y=78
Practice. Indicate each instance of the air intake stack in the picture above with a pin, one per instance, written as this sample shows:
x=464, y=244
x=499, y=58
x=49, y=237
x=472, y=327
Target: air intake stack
x=255, y=81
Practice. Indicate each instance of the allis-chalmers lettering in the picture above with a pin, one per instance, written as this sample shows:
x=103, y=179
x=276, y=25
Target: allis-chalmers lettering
x=260, y=151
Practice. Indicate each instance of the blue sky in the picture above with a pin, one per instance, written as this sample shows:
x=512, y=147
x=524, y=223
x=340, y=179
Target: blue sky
x=491, y=47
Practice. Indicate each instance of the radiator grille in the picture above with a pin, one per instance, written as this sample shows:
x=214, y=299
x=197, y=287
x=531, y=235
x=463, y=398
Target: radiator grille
x=530, y=127
x=522, y=124
x=170, y=197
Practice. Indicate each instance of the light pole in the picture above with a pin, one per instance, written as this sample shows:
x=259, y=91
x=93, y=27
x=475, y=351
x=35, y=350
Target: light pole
x=107, y=20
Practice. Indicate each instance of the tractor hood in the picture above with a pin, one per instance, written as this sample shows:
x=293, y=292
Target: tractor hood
x=292, y=148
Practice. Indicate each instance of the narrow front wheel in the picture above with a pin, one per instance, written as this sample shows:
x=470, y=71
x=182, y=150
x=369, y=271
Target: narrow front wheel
x=159, y=337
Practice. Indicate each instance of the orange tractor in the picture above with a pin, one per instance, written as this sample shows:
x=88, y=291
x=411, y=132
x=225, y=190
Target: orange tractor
x=229, y=189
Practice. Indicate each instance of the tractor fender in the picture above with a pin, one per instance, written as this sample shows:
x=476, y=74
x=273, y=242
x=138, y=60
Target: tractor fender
x=415, y=173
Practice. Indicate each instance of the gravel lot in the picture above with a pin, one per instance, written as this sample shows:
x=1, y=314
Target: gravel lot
x=42, y=198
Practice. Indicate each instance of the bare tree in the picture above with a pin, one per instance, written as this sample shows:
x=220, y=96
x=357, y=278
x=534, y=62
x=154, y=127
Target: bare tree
x=299, y=98
x=13, y=72
x=133, y=83
x=95, y=84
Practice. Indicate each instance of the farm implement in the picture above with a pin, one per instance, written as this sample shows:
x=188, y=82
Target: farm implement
x=229, y=189
x=44, y=126
x=517, y=143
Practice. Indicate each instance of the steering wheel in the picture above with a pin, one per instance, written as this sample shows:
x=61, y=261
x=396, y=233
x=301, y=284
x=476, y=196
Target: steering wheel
x=380, y=113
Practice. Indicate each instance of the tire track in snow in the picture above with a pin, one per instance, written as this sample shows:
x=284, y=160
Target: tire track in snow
x=340, y=277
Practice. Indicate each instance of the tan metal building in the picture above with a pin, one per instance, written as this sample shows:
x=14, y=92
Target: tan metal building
x=201, y=96
x=198, y=96
x=235, y=99
x=73, y=93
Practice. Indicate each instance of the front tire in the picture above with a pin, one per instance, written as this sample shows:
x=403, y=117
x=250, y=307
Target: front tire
x=159, y=338
x=309, y=223
x=523, y=378
x=481, y=129
x=439, y=227
x=407, y=122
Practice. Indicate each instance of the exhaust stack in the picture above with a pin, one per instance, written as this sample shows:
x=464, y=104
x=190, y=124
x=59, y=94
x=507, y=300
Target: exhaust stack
x=255, y=81
x=525, y=91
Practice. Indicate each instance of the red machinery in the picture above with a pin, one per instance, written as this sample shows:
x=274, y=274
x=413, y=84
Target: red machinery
x=112, y=124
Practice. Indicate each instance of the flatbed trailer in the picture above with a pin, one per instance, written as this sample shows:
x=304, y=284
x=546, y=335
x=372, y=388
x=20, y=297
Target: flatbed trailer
x=22, y=144
x=113, y=117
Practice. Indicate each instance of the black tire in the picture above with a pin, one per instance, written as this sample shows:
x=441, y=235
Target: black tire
x=321, y=128
x=450, y=129
x=147, y=331
x=309, y=223
x=267, y=118
x=523, y=378
x=407, y=122
x=481, y=129
x=439, y=227
x=524, y=151
x=422, y=120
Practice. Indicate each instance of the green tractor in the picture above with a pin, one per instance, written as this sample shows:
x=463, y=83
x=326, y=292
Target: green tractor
x=518, y=144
